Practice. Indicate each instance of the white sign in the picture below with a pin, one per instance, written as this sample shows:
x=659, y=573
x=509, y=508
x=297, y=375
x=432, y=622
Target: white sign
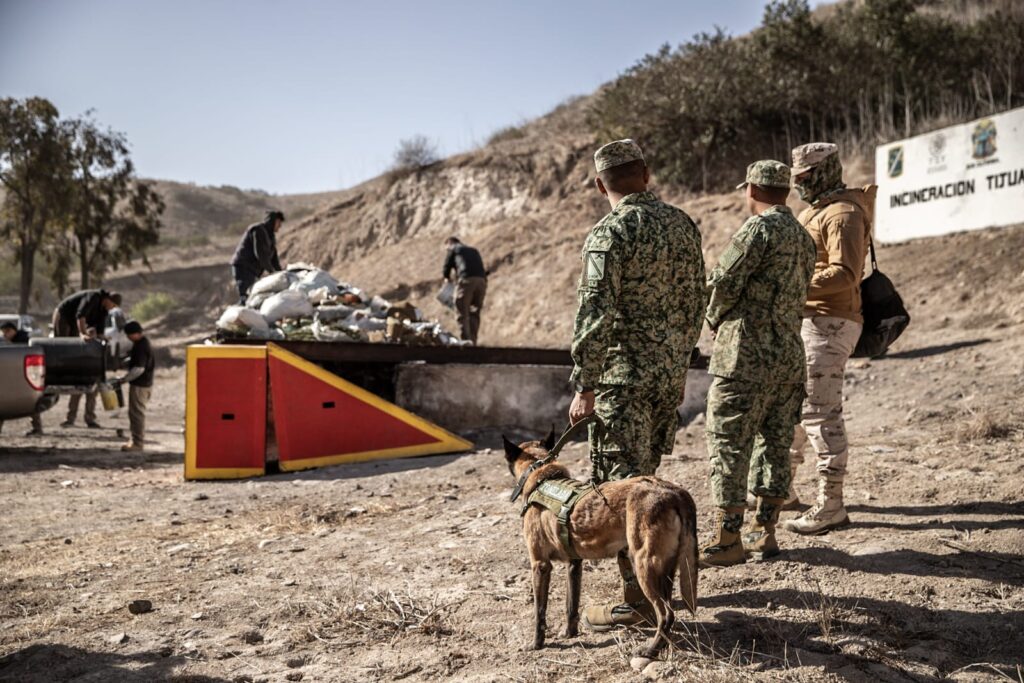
x=959, y=178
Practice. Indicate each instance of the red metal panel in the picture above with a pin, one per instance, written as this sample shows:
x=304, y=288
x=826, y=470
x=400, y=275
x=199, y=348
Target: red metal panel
x=231, y=417
x=314, y=419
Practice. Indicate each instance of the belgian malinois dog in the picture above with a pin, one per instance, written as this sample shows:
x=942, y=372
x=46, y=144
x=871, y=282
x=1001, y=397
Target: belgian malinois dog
x=655, y=519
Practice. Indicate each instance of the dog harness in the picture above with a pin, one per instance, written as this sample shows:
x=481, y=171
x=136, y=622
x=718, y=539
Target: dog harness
x=560, y=496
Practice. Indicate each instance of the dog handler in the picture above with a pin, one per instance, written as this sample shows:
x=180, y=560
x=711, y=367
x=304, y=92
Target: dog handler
x=641, y=300
x=758, y=368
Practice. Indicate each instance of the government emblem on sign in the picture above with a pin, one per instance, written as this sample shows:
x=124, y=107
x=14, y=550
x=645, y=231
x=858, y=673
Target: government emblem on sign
x=896, y=162
x=983, y=139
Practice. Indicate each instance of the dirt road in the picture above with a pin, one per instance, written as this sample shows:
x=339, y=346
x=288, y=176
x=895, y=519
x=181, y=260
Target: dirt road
x=414, y=569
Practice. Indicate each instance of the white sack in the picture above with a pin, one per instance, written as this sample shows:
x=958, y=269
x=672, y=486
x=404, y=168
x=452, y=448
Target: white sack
x=242, y=319
x=287, y=304
x=275, y=282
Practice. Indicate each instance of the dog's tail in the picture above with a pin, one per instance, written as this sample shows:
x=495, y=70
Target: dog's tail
x=687, y=550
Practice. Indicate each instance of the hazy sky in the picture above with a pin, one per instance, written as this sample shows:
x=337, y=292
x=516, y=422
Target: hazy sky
x=311, y=95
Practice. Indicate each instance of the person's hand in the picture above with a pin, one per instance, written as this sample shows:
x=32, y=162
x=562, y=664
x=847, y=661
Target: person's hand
x=582, y=405
x=714, y=333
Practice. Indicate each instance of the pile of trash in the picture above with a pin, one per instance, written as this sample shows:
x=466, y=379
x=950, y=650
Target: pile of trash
x=306, y=303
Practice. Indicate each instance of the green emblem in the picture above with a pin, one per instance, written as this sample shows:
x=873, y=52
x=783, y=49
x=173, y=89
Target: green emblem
x=595, y=265
x=896, y=162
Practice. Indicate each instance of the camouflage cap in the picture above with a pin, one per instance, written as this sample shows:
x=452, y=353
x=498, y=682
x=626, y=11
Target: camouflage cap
x=617, y=153
x=766, y=173
x=806, y=157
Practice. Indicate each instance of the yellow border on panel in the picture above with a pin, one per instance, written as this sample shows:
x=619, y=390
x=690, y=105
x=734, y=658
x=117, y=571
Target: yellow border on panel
x=446, y=441
x=192, y=354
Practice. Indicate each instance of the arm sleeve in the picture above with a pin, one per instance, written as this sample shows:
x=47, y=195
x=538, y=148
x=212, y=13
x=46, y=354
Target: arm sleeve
x=729, y=278
x=84, y=306
x=449, y=263
x=599, y=288
x=262, y=249
x=843, y=235
x=133, y=374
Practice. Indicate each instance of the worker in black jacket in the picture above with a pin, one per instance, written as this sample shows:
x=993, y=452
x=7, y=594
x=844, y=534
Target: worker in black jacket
x=139, y=378
x=470, y=285
x=256, y=253
x=83, y=314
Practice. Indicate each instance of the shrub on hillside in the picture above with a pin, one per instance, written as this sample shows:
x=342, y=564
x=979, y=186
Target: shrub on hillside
x=415, y=153
x=153, y=306
x=858, y=74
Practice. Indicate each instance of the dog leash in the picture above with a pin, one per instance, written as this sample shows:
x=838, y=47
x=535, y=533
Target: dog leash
x=569, y=432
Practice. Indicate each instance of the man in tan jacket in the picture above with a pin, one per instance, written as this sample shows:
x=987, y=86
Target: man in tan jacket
x=839, y=221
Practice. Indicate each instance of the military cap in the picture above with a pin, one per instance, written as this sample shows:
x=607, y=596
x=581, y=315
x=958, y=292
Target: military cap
x=766, y=173
x=806, y=157
x=617, y=153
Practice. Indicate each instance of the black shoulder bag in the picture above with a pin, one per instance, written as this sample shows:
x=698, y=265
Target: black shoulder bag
x=885, y=317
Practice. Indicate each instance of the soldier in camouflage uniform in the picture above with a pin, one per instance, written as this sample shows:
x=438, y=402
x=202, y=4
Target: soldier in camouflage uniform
x=758, y=366
x=641, y=300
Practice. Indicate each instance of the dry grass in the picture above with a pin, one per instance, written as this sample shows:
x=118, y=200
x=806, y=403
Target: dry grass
x=373, y=615
x=984, y=426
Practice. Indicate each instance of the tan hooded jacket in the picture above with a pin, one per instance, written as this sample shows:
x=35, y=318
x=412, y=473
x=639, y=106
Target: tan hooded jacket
x=840, y=226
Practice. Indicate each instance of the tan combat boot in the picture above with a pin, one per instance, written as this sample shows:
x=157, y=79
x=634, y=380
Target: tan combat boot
x=828, y=513
x=759, y=536
x=725, y=548
x=792, y=499
x=634, y=610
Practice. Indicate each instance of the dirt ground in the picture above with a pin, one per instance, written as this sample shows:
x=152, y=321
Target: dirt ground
x=414, y=569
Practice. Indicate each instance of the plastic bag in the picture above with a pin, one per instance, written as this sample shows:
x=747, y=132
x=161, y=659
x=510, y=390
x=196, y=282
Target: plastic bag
x=446, y=295
x=329, y=314
x=275, y=282
x=286, y=304
x=316, y=278
x=242, y=320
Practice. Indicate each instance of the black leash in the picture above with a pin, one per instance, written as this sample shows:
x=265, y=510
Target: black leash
x=569, y=432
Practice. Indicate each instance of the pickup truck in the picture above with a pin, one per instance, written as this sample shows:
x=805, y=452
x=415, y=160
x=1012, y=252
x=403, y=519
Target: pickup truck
x=23, y=376
x=34, y=375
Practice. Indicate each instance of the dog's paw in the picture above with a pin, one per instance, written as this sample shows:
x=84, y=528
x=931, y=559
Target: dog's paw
x=570, y=632
x=534, y=646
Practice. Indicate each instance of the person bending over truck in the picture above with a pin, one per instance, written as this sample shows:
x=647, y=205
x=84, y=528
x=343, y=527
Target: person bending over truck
x=83, y=314
x=12, y=335
x=256, y=254
x=140, y=384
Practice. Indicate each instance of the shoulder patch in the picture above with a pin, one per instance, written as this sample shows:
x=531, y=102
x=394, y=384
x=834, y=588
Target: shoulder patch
x=595, y=266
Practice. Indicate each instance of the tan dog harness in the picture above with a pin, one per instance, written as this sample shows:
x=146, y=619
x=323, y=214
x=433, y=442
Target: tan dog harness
x=560, y=496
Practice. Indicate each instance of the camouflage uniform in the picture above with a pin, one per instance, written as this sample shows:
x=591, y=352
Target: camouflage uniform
x=758, y=292
x=641, y=296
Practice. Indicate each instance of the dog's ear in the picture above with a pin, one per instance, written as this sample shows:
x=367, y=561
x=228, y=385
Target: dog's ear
x=512, y=451
x=549, y=440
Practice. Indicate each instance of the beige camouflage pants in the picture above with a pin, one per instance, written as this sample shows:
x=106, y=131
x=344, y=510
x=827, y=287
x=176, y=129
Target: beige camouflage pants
x=828, y=342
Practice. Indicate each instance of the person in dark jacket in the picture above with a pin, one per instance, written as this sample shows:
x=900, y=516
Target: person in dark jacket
x=84, y=314
x=140, y=384
x=470, y=285
x=256, y=253
x=12, y=335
